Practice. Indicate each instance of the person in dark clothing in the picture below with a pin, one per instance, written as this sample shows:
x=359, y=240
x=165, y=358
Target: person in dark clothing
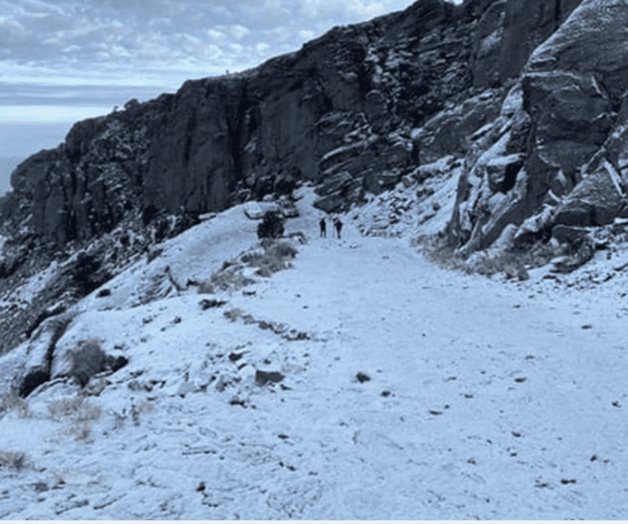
x=323, y=226
x=338, y=226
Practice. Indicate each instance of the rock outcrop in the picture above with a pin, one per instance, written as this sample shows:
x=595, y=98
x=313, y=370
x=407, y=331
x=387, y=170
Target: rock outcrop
x=559, y=145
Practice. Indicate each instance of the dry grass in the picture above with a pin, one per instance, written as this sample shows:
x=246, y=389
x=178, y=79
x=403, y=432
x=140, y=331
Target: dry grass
x=512, y=263
x=233, y=314
x=78, y=412
x=13, y=402
x=276, y=256
x=81, y=430
x=13, y=460
x=139, y=409
x=76, y=409
x=226, y=279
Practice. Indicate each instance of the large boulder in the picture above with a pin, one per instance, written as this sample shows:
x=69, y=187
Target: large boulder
x=596, y=201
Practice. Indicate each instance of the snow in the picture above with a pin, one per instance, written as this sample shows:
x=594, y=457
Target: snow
x=614, y=176
x=513, y=101
x=194, y=255
x=486, y=399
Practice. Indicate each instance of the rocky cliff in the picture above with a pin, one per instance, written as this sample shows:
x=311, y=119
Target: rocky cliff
x=527, y=97
x=556, y=158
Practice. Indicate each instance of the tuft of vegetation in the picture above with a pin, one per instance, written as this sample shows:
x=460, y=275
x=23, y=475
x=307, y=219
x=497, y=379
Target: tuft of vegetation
x=75, y=409
x=224, y=280
x=276, y=256
x=87, y=359
x=13, y=460
x=13, y=402
x=78, y=412
x=273, y=256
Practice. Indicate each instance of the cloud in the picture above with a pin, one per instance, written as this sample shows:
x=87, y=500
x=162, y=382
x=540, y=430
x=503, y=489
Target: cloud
x=348, y=9
x=152, y=44
x=238, y=31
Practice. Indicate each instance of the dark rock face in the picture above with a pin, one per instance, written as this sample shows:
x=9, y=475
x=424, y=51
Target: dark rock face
x=527, y=24
x=560, y=140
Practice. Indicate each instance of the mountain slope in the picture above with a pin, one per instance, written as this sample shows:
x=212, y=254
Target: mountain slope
x=476, y=400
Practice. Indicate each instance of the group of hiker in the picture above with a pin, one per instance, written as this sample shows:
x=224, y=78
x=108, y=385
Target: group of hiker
x=337, y=226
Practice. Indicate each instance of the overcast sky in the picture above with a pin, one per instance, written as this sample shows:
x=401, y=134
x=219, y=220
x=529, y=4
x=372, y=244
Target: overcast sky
x=61, y=60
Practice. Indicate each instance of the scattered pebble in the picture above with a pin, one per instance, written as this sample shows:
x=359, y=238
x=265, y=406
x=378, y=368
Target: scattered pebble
x=265, y=377
x=362, y=377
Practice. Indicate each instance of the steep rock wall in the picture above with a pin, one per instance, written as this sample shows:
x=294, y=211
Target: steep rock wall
x=560, y=137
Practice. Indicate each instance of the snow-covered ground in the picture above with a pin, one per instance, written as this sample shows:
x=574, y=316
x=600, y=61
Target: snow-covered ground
x=477, y=397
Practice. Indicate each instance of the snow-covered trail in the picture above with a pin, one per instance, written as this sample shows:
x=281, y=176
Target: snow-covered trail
x=498, y=396
x=483, y=399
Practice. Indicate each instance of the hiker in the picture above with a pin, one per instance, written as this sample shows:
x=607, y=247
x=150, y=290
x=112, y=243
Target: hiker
x=323, y=226
x=338, y=226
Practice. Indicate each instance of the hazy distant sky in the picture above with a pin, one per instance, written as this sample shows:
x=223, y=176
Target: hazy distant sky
x=65, y=60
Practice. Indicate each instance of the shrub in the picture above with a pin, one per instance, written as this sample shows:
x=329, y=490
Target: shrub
x=512, y=263
x=282, y=249
x=273, y=257
x=87, y=360
x=78, y=412
x=81, y=430
x=271, y=226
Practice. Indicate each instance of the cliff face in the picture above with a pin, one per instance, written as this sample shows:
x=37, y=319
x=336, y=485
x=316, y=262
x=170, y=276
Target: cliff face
x=339, y=111
x=555, y=159
x=354, y=111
